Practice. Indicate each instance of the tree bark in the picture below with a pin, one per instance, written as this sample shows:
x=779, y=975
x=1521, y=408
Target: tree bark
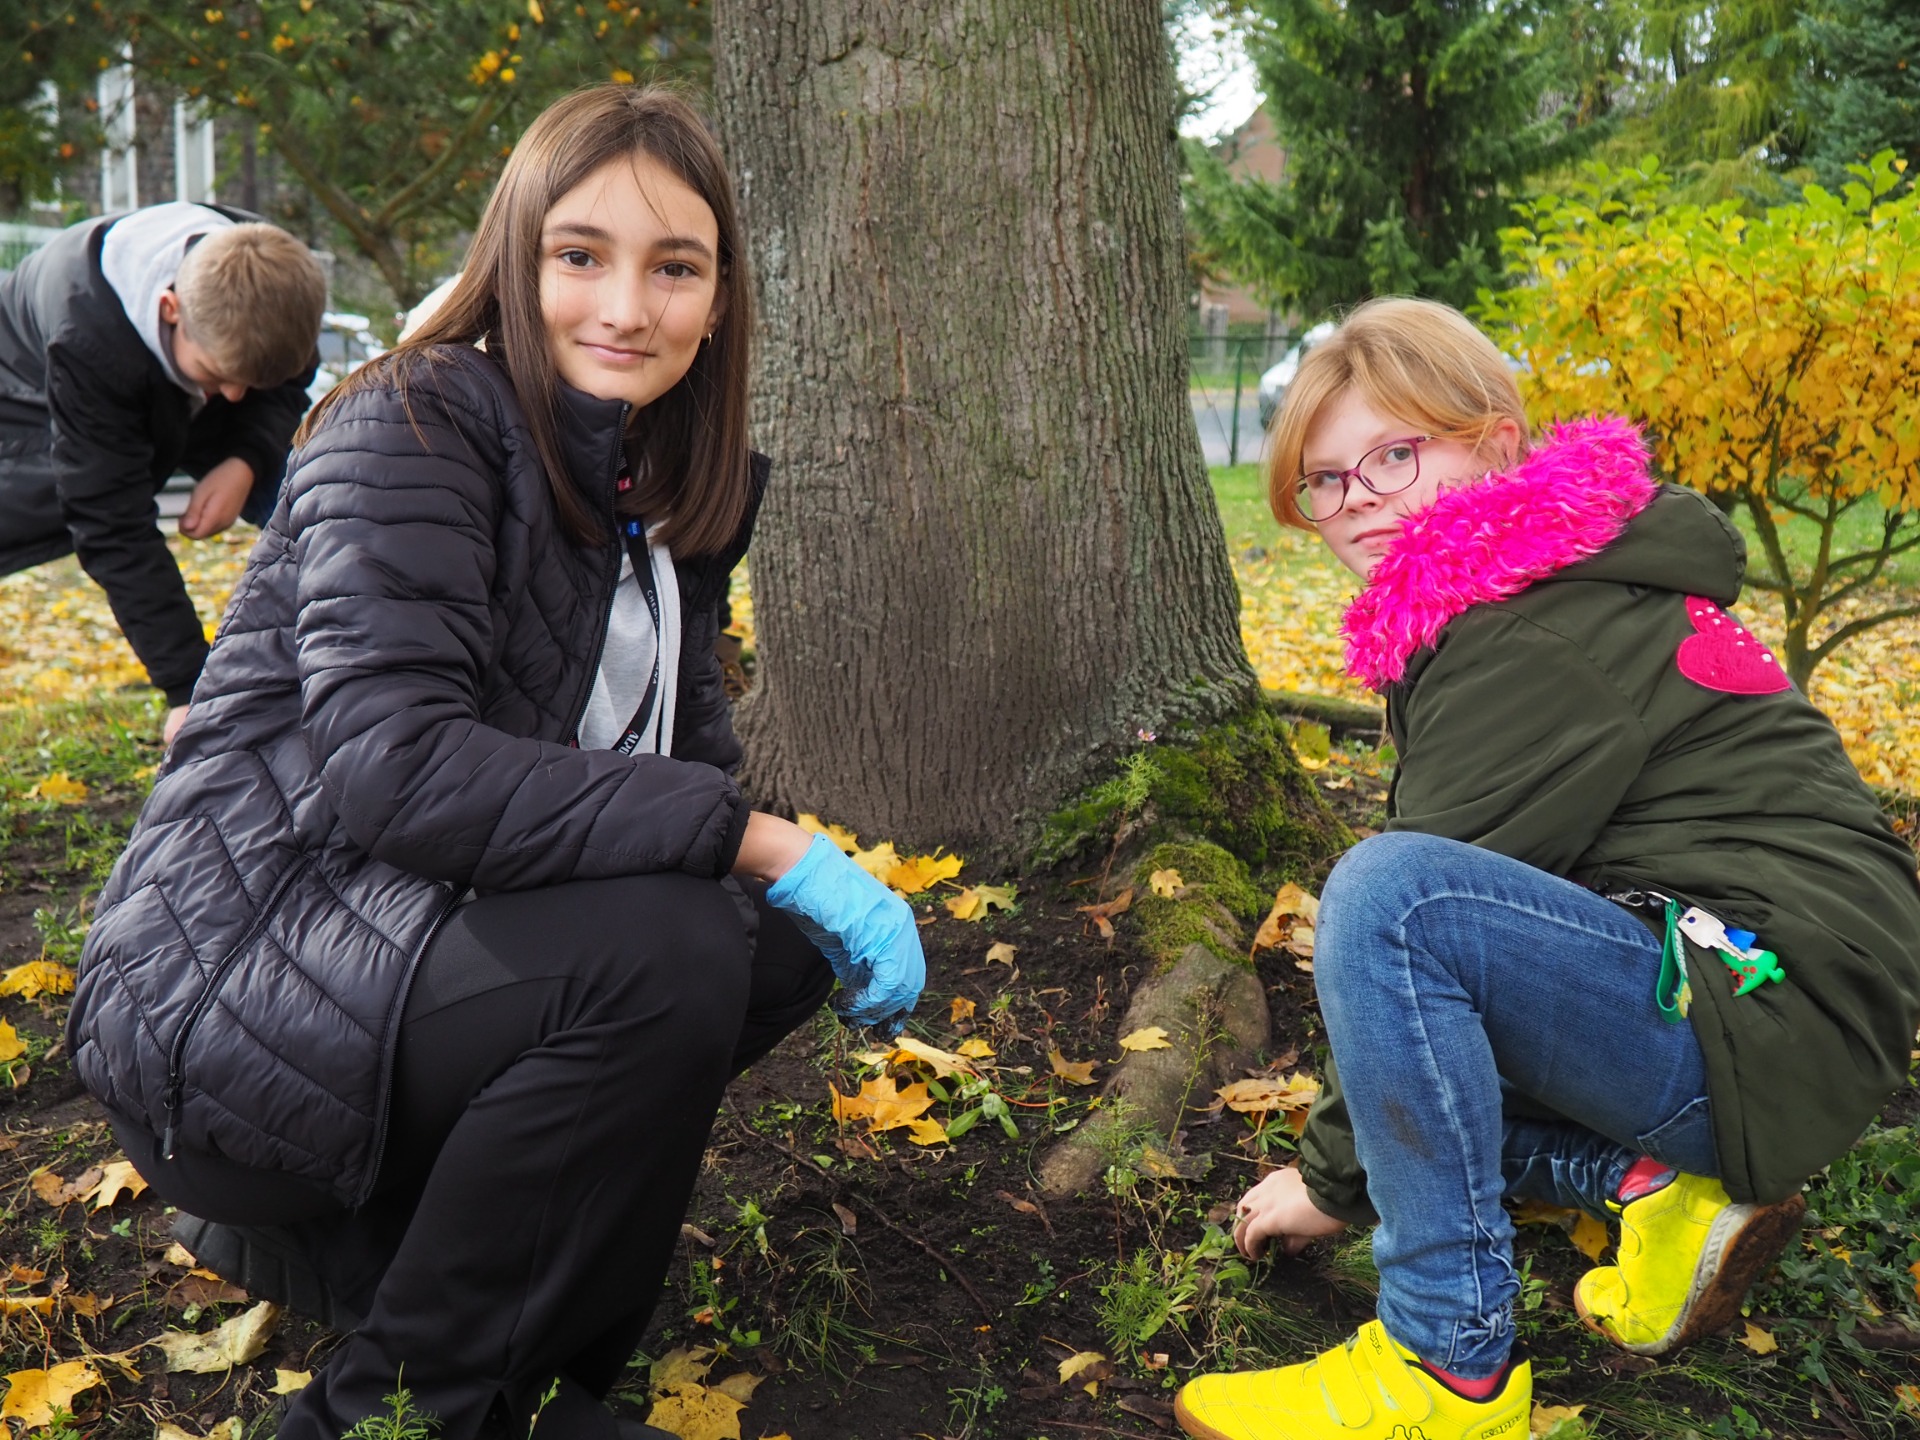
x=991, y=557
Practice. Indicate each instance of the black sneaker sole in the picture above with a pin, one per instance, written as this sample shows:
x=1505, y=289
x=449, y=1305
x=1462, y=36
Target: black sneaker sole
x=266, y=1266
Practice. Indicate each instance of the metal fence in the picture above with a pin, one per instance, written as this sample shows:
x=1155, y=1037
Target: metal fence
x=1223, y=384
x=19, y=241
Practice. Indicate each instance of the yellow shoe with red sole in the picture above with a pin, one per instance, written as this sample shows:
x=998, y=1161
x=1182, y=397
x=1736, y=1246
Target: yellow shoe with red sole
x=1371, y=1388
x=1688, y=1256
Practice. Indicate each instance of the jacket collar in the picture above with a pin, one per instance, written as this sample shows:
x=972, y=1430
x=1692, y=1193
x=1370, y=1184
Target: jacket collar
x=592, y=440
x=1568, y=499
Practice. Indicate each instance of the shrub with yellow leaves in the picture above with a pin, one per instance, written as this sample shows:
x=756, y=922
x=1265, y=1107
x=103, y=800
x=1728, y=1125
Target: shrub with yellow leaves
x=1773, y=359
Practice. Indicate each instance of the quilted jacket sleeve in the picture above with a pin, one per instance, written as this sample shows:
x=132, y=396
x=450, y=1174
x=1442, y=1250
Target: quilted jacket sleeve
x=397, y=507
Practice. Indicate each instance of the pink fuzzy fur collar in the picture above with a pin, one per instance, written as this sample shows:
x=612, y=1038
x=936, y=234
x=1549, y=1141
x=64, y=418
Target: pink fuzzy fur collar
x=1568, y=499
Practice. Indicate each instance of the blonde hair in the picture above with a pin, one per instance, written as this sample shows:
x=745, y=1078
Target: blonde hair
x=1416, y=360
x=252, y=296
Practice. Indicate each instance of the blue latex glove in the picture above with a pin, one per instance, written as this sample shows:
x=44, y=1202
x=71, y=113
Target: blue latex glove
x=865, y=931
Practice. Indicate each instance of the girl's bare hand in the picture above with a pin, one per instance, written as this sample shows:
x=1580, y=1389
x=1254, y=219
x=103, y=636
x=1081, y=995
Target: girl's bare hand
x=1281, y=1208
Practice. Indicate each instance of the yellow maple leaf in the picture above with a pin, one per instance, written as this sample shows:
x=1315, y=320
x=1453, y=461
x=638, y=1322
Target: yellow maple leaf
x=687, y=1365
x=975, y=901
x=974, y=1048
x=1074, y=1072
x=12, y=1047
x=838, y=834
x=60, y=788
x=19, y=1304
x=117, y=1177
x=943, y=1063
x=696, y=1412
x=1165, y=883
x=33, y=1395
x=37, y=977
x=1759, y=1341
x=1000, y=954
x=927, y=1131
x=1539, y=1212
x=1147, y=1037
x=228, y=1429
x=1909, y=1398
x=1590, y=1237
x=961, y=1009
x=882, y=1104
x=922, y=872
x=880, y=862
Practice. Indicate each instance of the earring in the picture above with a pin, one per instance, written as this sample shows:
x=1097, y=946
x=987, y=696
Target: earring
x=707, y=339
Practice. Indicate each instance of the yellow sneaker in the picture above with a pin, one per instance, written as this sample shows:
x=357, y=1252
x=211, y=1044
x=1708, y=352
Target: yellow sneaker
x=1371, y=1388
x=1688, y=1256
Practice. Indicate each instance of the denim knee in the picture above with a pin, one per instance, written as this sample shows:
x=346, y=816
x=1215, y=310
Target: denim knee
x=1374, y=887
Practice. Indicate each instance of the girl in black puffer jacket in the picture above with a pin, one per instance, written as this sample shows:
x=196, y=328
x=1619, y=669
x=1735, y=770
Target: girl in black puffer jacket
x=446, y=924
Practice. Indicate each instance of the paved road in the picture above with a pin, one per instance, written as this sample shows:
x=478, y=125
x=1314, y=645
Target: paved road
x=1213, y=417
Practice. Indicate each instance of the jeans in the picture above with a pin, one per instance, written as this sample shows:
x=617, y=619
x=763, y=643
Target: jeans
x=1456, y=984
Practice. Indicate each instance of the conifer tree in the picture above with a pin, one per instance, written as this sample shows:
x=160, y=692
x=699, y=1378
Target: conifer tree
x=1409, y=126
x=1864, y=94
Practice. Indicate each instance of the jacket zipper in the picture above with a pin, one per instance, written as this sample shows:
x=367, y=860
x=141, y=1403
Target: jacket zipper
x=177, y=1058
x=572, y=732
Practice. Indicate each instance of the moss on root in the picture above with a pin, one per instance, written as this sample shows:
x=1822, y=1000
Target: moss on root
x=1216, y=896
x=1235, y=785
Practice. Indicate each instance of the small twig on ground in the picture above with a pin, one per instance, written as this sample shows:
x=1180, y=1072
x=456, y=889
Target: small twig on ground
x=943, y=1260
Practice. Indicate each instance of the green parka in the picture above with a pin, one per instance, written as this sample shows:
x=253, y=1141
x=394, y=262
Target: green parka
x=1528, y=634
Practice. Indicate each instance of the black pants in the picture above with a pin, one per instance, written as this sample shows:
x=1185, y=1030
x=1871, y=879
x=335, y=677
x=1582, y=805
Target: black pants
x=561, y=1059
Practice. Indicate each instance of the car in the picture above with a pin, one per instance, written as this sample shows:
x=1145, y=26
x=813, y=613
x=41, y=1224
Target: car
x=1273, y=384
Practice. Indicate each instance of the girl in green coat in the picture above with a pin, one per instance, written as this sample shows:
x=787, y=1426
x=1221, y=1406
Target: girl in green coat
x=1636, y=938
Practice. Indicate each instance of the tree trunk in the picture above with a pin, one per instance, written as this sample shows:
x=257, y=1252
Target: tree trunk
x=991, y=557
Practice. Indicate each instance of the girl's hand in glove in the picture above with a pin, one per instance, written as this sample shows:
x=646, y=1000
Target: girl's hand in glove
x=865, y=931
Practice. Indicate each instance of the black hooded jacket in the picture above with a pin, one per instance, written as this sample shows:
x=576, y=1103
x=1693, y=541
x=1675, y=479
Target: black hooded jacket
x=91, y=427
x=385, y=723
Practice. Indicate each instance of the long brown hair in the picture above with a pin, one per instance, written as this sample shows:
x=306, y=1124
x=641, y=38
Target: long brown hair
x=692, y=448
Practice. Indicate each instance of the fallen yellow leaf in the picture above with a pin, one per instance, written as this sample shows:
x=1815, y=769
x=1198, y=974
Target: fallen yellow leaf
x=1148, y=1037
x=1074, y=1072
x=228, y=1429
x=33, y=1395
x=287, y=1382
x=686, y=1366
x=1165, y=883
x=922, y=872
x=36, y=977
x=12, y=1047
x=943, y=1062
x=1590, y=1237
x=117, y=1177
x=1291, y=903
x=974, y=1048
x=60, y=788
x=1909, y=1398
x=1080, y=1360
x=20, y=1304
x=235, y=1342
x=1545, y=1417
x=880, y=862
x=998, y=954
x=961, y=1009
x=882, y=1104
x=975, y=901
x=927, y=1131
x=1258, y=1097
x=1102, y=914
x=1760, y=1342
x=694, y=1412
x=838, y=834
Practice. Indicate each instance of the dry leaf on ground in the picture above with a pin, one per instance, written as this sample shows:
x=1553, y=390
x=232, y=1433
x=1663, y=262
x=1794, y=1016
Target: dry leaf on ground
x=975, y=901
x=838, y=834
x=1260, y=1097
x=1102, y=914
x=1074, y=1072
x=886, y=1107
x=1147, y=1037
x=60, y=788
x=1760, y=1342
x=1167, y=884
x=1290, y=905
x=960, y=1010
x=117, y=1178
x=33, y=1395
x=234, y=1342
x=922, y=872
x=1080, y=1362
x=1590, y=1237
x=974, y=1048
x=36, y=978
x=228, y=1429
x=1000, y=953
x=1545, y=1417
x=942, y=1062
x=12, y=1047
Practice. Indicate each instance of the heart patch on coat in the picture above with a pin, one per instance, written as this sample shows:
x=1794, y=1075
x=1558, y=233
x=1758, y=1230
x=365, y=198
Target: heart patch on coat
x=1723, y=655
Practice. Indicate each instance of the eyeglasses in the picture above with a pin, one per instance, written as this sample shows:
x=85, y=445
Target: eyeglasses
x=1385, y=470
